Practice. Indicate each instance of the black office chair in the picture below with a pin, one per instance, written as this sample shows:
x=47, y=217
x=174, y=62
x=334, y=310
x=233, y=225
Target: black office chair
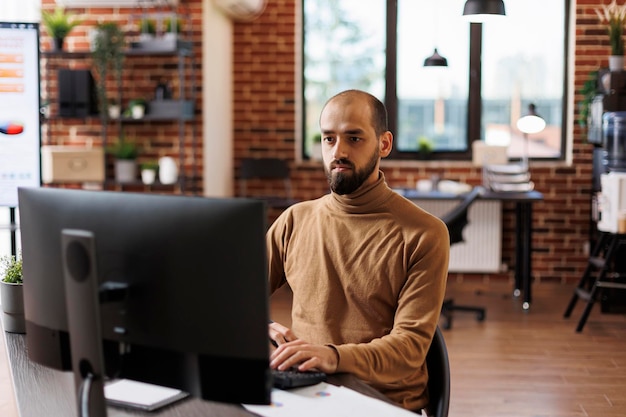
x=438, y=366
x=456, y=220
x=266, y=169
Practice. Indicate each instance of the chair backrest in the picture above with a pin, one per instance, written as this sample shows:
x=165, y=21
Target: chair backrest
x=263, y=168
x=438, y=366
x=456, y=219
x=266, y=169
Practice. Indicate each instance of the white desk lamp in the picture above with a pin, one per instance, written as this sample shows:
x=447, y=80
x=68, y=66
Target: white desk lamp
x=530, y=123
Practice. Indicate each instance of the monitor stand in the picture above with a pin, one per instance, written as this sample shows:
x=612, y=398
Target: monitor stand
x=83, y=314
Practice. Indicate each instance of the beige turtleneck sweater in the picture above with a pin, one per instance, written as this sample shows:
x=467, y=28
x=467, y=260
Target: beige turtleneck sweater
x=368, y=273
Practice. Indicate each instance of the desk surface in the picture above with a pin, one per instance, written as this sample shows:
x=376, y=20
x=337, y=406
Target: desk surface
x=523, y=229
x=42, y=391
x=528, y=196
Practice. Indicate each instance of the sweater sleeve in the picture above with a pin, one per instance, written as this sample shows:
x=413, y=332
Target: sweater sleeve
x=276, y=239
x=399, y=355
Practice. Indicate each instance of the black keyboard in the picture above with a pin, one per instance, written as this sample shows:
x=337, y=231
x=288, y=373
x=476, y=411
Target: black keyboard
x=292, y=378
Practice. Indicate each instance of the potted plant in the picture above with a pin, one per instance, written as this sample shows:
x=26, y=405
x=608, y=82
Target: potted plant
x=125, y=153
x=173, y=26
x=58, y=25
x=588, y=92
x=149, y=171
x=615, y=17
x=107, y=56
x=11, y=292
x=424, y=146
x=136, y=108
x=147, y=29
x=114, y=109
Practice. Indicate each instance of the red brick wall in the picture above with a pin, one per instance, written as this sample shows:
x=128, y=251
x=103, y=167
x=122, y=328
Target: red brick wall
x=265, y=91
x=265, y=124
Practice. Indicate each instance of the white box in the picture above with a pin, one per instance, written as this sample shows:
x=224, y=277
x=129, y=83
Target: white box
x=611, y=201
x=72, y=164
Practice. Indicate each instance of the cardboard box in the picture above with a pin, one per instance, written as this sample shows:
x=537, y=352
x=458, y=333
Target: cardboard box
x=71, y=164
x=483, y=154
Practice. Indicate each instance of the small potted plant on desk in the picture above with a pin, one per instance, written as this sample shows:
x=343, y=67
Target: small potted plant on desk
x=58, y=25
x=125, y=153
x=11, y=291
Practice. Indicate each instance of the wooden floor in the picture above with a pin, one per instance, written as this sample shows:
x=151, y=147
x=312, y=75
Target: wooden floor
x=515, y=363
x=530, y=364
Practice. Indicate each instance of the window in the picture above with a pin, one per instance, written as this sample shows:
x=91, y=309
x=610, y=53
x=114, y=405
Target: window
x=380, y=46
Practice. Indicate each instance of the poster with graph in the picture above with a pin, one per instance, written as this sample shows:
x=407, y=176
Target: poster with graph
x=20, y=130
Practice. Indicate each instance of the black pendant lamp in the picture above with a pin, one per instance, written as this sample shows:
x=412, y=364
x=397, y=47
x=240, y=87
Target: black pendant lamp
x=435, y=60
x=478, y=10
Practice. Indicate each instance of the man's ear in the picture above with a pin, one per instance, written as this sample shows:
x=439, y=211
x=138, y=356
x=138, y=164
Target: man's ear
x=385, y=144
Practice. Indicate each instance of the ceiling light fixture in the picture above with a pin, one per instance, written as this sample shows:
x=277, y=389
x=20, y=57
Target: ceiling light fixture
x=479, y=11
x=435, y=60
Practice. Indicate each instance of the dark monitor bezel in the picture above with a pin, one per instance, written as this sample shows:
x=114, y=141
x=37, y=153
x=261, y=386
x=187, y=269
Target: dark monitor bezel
x=205, y=335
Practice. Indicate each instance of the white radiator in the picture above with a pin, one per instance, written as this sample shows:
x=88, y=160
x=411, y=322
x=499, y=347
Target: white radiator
x=482, y=246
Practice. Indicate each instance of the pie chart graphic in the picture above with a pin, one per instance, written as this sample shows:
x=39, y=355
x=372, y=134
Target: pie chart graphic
x=11, y=128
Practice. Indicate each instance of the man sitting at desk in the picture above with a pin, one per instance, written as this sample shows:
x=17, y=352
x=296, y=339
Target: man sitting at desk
x=367, y=267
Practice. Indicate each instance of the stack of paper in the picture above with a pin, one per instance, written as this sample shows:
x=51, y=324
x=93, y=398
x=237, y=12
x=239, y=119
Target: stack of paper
x=326, y=400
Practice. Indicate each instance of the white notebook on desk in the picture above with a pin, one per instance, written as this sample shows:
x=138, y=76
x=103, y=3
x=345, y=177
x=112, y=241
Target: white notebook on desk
x=326, y=400
x=139, y=395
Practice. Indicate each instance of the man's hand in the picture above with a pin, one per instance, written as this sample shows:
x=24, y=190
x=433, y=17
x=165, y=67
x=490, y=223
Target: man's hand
x=304, y=356
x=280, y=334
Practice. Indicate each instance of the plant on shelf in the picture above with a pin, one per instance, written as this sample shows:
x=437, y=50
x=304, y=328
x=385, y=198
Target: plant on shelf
x=59, y=24
x=588, y=92
x=11, y=293
x=151, y=164
x=136, y=108
x=114, y=109
x=614, y=17
x=124, y=149
x=149, y=171
x=147, y=28
x=108, y=56
x=125, y=153
x=173, y=25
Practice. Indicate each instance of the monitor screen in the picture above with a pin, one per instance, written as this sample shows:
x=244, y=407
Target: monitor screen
x=182, y=287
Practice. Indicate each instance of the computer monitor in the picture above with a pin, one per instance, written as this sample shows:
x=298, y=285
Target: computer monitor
x=182, y=287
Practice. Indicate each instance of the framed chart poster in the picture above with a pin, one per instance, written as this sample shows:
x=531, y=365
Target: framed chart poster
x=20, y=129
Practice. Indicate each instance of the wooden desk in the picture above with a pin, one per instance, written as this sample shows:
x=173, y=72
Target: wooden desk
x=42, y=391
x=523, y=231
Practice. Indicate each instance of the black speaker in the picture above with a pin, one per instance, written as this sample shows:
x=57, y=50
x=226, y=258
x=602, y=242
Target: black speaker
x=77, y=93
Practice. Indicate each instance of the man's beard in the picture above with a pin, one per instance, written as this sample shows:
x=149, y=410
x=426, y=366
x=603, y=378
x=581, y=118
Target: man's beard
x=348, y=182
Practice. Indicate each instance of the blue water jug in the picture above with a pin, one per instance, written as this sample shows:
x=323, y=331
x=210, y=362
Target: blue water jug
x=614, y=140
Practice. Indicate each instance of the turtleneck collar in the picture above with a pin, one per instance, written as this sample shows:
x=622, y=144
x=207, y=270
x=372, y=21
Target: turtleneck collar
x=365, y=199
